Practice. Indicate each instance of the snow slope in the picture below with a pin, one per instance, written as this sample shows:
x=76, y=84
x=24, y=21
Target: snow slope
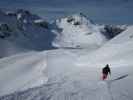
x=74, y=76
x=22, y=71
x=120, y=46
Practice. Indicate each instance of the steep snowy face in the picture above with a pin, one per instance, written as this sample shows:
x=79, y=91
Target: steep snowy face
x=23, y=31
x=77, y=31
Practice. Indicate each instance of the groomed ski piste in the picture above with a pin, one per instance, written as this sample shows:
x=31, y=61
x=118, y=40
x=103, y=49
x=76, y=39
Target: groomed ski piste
x=70, y=74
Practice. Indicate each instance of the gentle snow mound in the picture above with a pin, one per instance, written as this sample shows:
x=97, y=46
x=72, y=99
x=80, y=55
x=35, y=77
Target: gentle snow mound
x=22, y=71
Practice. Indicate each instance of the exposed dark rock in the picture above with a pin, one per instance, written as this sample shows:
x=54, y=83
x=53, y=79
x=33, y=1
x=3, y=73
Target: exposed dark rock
x=42, y=24
x=77, y=23
x=111, y=31
x=70, y=19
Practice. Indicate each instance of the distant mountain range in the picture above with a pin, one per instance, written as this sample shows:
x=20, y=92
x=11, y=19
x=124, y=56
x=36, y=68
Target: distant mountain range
x=20, y=31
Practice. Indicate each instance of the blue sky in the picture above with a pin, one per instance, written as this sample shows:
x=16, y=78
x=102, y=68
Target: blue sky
x=101, y=11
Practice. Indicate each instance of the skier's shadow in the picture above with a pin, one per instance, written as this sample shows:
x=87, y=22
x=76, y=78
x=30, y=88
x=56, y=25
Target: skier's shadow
x=119, y=78
x=109, y=82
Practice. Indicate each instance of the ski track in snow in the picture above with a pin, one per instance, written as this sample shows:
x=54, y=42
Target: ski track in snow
x=22, y=74
x=77, y=84
x=73, y=90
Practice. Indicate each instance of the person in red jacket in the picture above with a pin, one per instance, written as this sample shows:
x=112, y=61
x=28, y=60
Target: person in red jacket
x=105, y=71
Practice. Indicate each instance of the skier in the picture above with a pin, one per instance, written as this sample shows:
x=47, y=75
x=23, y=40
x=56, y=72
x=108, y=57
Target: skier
x=105, y=71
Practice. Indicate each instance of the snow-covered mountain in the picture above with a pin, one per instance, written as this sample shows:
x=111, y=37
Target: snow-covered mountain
x=22, y=31
x=77, y=31
x=72, y=76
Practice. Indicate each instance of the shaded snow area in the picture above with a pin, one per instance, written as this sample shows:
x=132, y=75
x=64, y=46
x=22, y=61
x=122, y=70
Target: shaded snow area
x=71, y=74
x=22, y=31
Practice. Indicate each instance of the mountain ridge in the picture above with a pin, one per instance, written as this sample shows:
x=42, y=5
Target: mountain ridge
x=22, y=31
